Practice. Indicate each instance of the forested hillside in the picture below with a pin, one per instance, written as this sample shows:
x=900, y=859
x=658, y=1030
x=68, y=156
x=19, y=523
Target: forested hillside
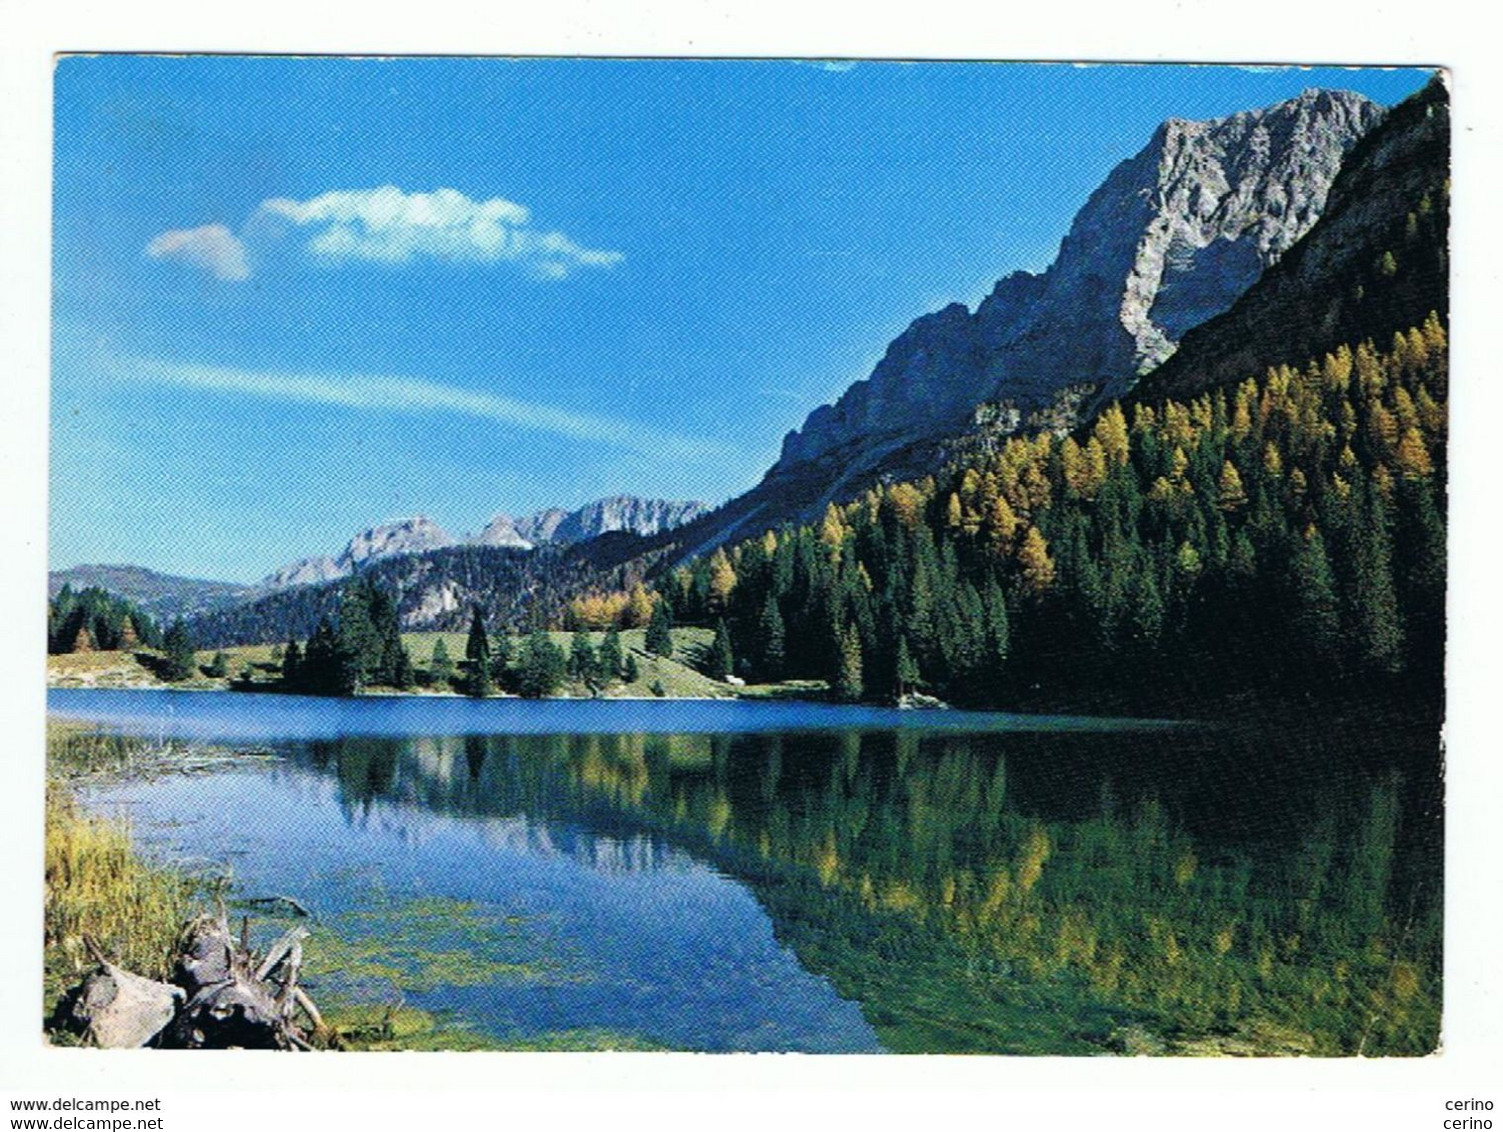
x=1285, y=534
x=519, y=589
x=94, y=619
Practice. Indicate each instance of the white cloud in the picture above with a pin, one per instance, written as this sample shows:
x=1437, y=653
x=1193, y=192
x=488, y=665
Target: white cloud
x=410, y=395
x=214, y=248
x=387, y=225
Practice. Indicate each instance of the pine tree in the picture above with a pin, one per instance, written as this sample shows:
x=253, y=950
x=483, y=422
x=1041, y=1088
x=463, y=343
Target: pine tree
x=771, y=640
x=477, y=651
x=1146, y=610
x=639, y=607
x=1034, y=562
x=1380, y=634
x=722, y=581
x=219, y=667
x=501, y=658
x=440, y=667
x=1315, y=618
x=360, y=644
x=908, y=675
x=388, y=632
x=631, y=673
x=402, y=674
x=541, y=666
x=583, y=662
x=660, y=630
x=179, y=661
x=610, y=658
x=722, y=659
x=1230, y=495
x=847, y=684
x=292, y=660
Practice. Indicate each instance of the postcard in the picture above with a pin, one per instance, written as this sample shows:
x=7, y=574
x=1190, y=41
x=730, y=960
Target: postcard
x=747, y=555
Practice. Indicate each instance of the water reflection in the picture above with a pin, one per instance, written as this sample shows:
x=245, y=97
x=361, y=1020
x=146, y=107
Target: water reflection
x=1063, y=893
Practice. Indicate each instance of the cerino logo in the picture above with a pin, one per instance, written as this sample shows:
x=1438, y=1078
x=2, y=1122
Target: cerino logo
x=1468, y=1123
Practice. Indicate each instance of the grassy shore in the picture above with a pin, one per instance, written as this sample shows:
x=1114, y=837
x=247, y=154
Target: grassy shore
x=96, y=884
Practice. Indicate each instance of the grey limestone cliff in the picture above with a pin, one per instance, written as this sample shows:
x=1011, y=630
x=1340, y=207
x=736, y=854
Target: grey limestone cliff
x=1170, y=239
x=614, y=513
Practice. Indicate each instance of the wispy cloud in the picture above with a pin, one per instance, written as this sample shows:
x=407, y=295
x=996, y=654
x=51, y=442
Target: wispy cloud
x=387, y=226
x=413, y=396
x=214, y=248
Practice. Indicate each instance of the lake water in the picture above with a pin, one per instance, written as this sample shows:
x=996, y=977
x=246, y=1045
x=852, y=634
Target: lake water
x=783, y=876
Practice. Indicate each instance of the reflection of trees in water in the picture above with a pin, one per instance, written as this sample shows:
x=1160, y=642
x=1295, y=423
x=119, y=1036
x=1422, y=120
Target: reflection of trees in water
x=1011, y=892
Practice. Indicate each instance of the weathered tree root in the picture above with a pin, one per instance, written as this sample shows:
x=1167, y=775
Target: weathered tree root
x=222, y=996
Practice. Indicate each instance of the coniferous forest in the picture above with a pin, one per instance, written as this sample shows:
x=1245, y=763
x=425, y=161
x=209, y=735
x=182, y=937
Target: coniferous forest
x=1282, y=537
x=1285, y=534
x=94, y=619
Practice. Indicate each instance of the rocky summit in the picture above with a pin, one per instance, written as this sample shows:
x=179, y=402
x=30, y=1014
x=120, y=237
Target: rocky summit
x=614, y=513
x=1171, y=238
x=407, y=536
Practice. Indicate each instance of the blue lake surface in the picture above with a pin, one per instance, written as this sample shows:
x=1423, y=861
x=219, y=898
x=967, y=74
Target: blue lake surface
x=742, y=875
x=226, y=717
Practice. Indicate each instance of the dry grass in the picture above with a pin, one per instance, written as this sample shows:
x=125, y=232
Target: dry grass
x=97, y=885
x=95, y=882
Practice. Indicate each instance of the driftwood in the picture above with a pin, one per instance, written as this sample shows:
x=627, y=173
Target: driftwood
x=222, y=996
x=292, y=904
x=235, y=998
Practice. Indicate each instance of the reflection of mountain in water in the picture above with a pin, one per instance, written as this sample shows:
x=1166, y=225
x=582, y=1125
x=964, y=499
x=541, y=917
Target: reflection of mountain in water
x=1214, y=890
x=409, y=790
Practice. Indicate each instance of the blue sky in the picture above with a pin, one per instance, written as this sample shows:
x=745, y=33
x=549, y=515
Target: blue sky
x=294, y=297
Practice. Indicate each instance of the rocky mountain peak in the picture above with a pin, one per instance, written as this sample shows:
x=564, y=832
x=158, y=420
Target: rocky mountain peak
x=502, y=531
x=305, y=571
x=613, y=513
x=405, y=536
x=1170, y=239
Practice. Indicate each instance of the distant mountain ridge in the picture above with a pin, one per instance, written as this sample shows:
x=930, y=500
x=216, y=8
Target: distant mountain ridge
x=613, y=513
x=164, y=596
x=167, y=596
x=419, y=534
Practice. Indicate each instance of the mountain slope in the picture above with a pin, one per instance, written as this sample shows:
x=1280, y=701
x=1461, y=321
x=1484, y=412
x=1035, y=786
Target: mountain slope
x=437, y=589
x=1375, y=263
x=164, y=596
x=1172, y=237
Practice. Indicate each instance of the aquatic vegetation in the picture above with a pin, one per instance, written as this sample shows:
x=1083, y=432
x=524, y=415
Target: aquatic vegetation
x=421, y=944
x=375, y=1027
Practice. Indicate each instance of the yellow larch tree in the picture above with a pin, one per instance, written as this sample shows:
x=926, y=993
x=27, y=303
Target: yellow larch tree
x=1035, y=563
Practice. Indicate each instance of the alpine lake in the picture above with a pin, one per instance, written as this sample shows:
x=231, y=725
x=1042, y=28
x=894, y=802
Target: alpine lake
x=736, y=875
